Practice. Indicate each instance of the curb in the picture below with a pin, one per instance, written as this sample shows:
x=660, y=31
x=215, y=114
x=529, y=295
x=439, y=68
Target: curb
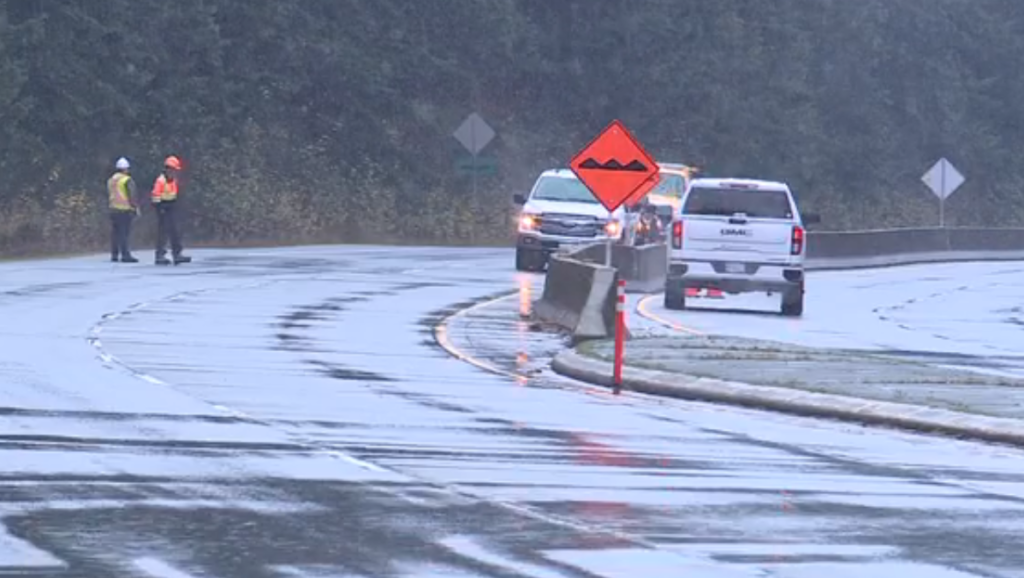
x=809, y=404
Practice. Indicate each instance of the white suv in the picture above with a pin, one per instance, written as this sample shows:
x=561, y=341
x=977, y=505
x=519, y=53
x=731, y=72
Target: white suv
x=560, y=212
x=737, y=236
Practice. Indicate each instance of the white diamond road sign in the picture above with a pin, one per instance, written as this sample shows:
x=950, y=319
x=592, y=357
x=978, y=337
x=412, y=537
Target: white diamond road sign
x=943, y=179
x=474, y=134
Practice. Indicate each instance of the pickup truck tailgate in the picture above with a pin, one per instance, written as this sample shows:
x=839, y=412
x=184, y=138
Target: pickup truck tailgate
x=758, y=236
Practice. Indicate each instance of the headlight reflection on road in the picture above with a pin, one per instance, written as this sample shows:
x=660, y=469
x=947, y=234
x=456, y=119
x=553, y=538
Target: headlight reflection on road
x=525, y=296
x=523, y=326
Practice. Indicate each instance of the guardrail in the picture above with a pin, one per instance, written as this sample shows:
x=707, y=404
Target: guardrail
x=886, y=247
x=579, y=290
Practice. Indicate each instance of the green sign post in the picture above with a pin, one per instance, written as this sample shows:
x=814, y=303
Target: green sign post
x=478, y=166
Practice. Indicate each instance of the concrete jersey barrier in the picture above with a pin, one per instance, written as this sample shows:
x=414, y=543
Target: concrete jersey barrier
x=643, y=268
x=579, y=294
x=580, y=290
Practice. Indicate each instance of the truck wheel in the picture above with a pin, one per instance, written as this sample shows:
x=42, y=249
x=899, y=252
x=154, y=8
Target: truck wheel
x=529, y=261
x=521, y=262
x=674, y=299
x=793, y=308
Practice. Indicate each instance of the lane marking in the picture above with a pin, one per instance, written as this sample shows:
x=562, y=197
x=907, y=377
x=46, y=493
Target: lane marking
x=159, y=568
x=229, y=411
x=469, y=547
x=643, y=308
x=358, y=462
x=441, y=336
x=113, y=360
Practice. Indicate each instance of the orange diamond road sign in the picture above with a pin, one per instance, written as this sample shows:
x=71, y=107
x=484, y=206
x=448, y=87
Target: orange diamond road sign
x=613, y=166
x=645, y=188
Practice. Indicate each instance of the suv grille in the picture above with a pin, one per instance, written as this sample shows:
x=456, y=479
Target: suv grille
x=570, y=225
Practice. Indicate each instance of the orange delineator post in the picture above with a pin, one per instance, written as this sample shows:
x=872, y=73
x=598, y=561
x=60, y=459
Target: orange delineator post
x=620, y=333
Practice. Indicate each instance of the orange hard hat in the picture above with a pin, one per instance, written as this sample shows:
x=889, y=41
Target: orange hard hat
x=173, y=162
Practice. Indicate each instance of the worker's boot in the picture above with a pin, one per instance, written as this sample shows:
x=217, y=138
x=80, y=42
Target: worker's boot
x=129, y=259
x=162, y=260
x=178, y=259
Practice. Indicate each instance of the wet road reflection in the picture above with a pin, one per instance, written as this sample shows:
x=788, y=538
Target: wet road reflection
x=289, y=413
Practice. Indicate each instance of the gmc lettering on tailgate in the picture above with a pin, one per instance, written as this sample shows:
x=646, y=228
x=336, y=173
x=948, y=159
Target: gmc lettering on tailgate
x=735, y=233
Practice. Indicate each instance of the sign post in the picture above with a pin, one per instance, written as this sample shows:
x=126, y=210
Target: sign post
x=943, y=179
x=620, y=334
x=616, y=168
x=474, y=134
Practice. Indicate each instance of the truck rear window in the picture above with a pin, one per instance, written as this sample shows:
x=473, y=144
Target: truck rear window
x=763, y=204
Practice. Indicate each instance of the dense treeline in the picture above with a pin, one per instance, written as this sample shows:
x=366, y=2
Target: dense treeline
x=331, y=119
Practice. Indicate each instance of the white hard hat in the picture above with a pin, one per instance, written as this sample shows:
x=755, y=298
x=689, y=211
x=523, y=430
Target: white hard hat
x=122, y=164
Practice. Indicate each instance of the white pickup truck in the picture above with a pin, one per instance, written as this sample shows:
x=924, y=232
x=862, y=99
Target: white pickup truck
x=737, y=236
x=560, y=213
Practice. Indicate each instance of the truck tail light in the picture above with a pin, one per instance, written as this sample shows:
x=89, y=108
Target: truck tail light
x=797, y=245
x=677, y=235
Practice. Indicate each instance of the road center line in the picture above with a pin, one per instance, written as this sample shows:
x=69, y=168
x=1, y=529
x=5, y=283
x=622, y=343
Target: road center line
x=159, y=569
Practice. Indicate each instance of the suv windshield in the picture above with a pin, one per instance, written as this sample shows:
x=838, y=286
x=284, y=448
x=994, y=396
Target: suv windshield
x=563, y=189
x=763, y=204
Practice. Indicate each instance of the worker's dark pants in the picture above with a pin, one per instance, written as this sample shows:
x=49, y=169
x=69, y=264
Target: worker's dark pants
x=167, y=227
x=120, y=232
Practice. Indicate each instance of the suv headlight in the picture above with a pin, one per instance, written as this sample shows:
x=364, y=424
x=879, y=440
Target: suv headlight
x=613, y=228
x=529, y=221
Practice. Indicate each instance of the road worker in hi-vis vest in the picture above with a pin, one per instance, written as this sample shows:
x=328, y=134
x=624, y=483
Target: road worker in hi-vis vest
x=124, y=207
x=165, y=200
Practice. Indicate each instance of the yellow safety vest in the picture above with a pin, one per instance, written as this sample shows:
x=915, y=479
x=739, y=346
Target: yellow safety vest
x=117, y=192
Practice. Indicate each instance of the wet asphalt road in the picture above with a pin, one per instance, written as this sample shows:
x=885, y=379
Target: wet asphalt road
x=287, y=412
x=968, y=315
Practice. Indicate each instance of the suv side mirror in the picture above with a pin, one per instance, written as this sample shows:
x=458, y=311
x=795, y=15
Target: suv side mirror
x=519, y=199
x=811, y=218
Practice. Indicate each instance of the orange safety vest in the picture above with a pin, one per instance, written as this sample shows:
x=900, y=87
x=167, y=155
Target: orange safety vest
x=165, y=190
x=117, y=192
